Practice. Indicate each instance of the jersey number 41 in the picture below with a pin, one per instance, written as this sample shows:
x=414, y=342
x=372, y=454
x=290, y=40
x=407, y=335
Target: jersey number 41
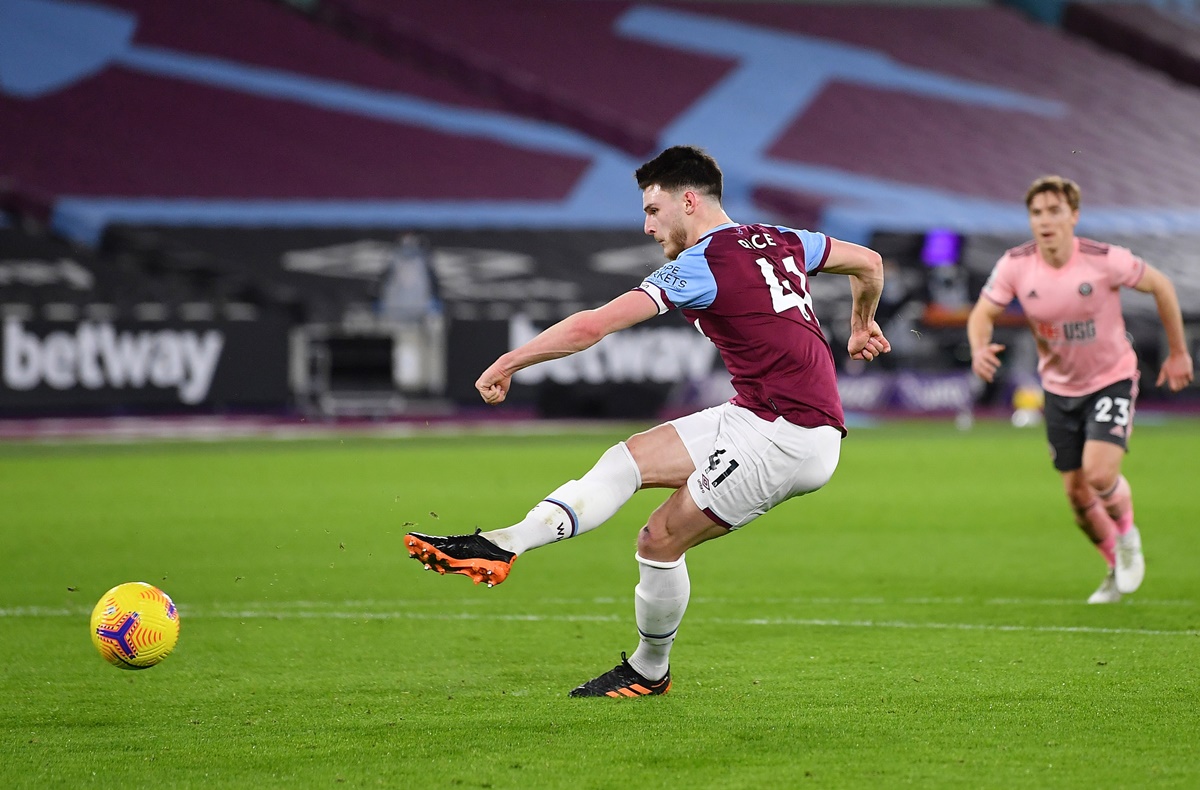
x=784, y=293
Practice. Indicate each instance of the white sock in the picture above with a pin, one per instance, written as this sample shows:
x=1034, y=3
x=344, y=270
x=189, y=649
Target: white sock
x=576, y=506
x=660, y=599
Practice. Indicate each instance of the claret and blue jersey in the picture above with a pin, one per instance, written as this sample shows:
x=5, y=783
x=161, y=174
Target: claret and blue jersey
x=745, y=287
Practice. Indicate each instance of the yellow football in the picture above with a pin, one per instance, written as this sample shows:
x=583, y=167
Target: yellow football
x=135, y=625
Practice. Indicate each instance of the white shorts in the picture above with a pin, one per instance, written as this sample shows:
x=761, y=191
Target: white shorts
x=745, y=465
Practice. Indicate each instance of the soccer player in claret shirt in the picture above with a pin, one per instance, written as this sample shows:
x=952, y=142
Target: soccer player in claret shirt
x=745, y=287
x=1069, y=289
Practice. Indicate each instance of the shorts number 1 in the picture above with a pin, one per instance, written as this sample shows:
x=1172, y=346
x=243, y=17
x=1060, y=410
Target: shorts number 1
x=733, y=464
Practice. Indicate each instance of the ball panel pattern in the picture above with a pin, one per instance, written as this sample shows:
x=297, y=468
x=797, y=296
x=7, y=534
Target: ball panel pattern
x=135, y=625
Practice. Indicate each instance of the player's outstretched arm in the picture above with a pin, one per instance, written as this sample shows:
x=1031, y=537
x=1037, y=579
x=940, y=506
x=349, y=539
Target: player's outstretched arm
x=569, y=336
x=1177, y=369
x=864, y=267
x=985, y=359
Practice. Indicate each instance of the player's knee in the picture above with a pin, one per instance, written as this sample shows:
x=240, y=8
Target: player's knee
x=645, y=442
x=1101, y=478
x=655, y=541
x=651, y=539
x=644, y=541
x=1079, y=493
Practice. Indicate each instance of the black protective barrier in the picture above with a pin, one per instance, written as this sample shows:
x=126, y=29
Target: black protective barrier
x=88, y=334
x=491, y=289
x=383, y=320
x=101, y=366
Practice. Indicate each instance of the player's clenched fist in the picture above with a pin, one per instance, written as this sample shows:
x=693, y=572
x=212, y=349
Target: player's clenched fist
x=868, y=344
x=493, y=385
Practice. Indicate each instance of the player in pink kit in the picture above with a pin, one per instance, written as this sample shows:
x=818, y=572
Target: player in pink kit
x=745, y=287
x=1069, y=289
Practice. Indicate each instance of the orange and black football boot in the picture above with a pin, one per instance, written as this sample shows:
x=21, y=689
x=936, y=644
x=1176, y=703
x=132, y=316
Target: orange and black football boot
x=473, y=556
x=623, y=681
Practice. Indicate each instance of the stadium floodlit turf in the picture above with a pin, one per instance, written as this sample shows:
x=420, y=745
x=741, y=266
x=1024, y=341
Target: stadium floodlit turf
x=921, y=621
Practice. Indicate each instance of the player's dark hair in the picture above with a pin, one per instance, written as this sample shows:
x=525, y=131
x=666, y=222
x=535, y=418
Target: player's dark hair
x=1065, y=187
x=682, y=167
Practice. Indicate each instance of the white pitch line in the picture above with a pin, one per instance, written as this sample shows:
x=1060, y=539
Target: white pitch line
x=624, y=601
x=1055, y=629
x=266, y=614
x=149, y=430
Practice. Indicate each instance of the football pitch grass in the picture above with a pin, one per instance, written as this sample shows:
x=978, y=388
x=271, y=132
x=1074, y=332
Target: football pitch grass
x=921, y=622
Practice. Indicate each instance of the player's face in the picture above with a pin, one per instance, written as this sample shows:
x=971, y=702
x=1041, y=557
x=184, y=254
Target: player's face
x=664, y=220
x=1052, y=220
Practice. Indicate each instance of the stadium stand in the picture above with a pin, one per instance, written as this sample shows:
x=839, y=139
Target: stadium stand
x=187, y=150
x=899, y=117
x=1165, y=38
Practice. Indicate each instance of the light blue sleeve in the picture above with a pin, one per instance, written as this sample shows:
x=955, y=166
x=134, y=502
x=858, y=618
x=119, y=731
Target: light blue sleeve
x=686, y=281
x=815, y=245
